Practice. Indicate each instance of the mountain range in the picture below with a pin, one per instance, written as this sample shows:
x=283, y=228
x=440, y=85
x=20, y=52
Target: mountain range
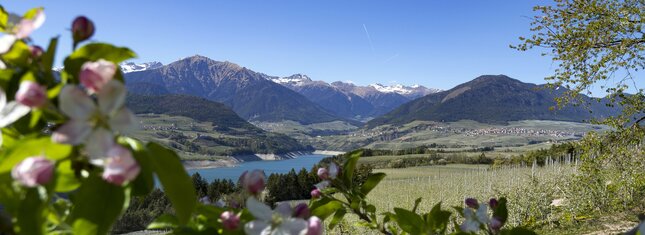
x=351, y=101
x=494, y=99
x=250, y=94
x=260, y=97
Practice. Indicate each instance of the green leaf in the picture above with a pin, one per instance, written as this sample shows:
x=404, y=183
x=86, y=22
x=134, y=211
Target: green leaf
x=164, y=221
x=349, y=167
x=97, y=205
x=19, y=54
x=30, y=215
x=47, y=61
x=65, y=177
x=438, y=219
x=372, y=181
x=409, y=221
x=144, y=183
x=174, y=179
x=96, y=51
x=4, y=17
x=33, y=146
x=501, y=211
x=338, y=217
x=31, y=13
x=416, y=204
x=327, y=209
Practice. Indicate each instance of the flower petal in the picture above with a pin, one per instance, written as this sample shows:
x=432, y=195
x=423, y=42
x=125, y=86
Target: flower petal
x=123, y=121
x=6, y=42
x=482, y=214
x=257, y=227
x=99, y=143
x=3, y=99
x=73, y=132
x=291, y=226
x=258, y=209
x=12, y=112
x=111, y=97
x=26, y=26
x=75, y=103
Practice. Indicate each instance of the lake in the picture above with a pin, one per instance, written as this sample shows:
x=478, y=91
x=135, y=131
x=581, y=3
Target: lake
x=269, y=167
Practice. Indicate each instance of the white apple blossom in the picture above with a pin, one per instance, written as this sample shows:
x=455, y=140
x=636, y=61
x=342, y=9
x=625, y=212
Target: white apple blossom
x=268, y=222
x=10, y=112
x=333, y=170
x=91, y=124
x=22, y=29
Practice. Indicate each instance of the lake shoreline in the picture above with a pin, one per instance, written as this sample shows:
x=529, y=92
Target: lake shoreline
x=233, y=161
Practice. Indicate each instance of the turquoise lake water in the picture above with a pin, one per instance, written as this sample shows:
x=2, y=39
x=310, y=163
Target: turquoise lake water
x=269, y=167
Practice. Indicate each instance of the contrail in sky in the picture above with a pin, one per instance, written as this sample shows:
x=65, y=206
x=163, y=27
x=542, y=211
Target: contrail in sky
x=391, y=58
x=369, y=39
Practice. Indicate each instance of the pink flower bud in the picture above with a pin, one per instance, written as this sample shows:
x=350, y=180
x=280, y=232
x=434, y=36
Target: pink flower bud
x=82, y=29
x=472, y=203
x=323, y=173
x=253, y=182
x=301, y=211
x=33, y=171
x=120, y=166
x=94, y=75
x=31, y=94
x=333, y=170
x=495, y=223
x=493, y=203
x=36, y=51
x=314, y=227
x=230, y=220
x=315, y=194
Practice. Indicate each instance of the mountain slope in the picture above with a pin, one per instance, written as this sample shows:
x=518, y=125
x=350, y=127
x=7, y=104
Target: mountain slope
x=490, y=99
x=382, y=102
x=250, y=94
x=344, y=104
x=351, y=101
x=228, y=131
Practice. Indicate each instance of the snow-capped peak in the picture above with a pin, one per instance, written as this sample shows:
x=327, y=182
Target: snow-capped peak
x=396, y=88
x=130, y=67
x=296, y=79
x=412, y=90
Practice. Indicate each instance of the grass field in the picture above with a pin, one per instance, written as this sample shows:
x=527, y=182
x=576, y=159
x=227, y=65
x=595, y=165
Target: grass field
x=530, y=191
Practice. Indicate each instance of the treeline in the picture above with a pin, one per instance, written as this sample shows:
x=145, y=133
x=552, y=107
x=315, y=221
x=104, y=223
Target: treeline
x=143, y=210
x=565, y=152
x=429, y=149
x=279, y=187
x=268, y=143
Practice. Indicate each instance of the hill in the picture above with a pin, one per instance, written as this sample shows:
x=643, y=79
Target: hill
x=209, y=128
x=492, y=99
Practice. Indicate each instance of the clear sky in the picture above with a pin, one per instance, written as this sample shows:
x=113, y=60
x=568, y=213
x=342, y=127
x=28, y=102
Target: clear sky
x=437, y=44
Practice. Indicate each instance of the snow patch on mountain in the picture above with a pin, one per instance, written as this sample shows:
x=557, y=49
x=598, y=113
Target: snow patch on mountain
x=294, y=80
x=130, y=67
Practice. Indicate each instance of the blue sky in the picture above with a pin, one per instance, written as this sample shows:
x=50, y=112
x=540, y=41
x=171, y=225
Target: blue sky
x=437, y=44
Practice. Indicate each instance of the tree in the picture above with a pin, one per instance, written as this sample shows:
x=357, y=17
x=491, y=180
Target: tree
x=594, y=43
